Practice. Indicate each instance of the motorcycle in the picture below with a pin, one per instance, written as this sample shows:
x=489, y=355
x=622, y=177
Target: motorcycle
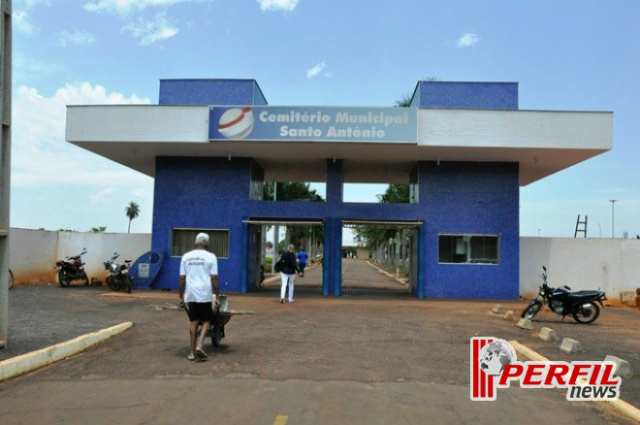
x=72, y=268
x=118, y=278
x=582, y=305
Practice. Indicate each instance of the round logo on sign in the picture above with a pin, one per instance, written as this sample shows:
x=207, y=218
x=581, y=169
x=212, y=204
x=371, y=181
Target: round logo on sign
x=236, y=123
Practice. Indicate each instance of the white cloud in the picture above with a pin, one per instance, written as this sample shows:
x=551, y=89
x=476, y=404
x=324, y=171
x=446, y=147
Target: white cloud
x=78, y=37
x=285, y=5
x=40, y=155
x=46, y=170
x=22, y=23
x=125, y=7
x=150, y=31
x=103, y=196
x=467, y=40
x=316, y=70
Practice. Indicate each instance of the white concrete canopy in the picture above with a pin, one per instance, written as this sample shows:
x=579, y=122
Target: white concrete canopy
x=542, y=142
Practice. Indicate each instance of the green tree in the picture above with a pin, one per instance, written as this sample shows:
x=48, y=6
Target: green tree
x=395, y=194
x=290, y=191
x=307, y=237
x=100, y=229
x=132, y=211
x=404, y=101
x=296, y=192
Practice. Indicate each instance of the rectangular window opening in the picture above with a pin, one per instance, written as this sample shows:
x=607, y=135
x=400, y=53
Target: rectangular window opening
x=468, y=249
x=182, y=241
x=395, y=193
x=294, y=191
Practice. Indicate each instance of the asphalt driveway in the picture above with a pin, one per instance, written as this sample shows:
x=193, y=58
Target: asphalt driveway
x=357, y=359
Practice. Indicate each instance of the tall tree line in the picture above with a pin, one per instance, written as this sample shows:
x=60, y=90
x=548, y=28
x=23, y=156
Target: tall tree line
x=308, y=237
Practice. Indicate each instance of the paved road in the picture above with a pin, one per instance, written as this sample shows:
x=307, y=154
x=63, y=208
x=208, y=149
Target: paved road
x=40, y=316
x=352, y=360
x=358, y=278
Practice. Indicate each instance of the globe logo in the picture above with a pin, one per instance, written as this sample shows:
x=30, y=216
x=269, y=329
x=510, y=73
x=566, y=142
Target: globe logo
x=236, y=123
x=495, y=356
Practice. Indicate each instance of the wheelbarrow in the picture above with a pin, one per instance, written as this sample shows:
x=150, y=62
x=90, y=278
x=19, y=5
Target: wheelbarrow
x=221, y=316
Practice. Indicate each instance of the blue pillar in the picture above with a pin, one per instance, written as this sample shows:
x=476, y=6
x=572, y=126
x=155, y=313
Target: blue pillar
x=326, y=285
x=332, y=263
x=335, y=180
x=244, y=277
x=337, y=271
x=421, y=258
x=326, y=275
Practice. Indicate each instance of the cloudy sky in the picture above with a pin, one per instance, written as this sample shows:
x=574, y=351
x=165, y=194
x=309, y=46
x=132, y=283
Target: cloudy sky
x=568, y=55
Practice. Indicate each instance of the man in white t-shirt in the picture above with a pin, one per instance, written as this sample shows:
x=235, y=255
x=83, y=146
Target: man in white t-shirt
x=198, y=282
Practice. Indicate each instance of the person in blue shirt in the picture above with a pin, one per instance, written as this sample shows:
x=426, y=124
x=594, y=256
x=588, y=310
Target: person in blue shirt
x=302, y=261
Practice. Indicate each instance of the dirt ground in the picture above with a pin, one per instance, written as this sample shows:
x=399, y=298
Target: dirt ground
x=353, y=359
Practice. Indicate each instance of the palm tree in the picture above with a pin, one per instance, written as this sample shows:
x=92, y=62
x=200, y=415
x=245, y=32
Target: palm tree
x=132, y=211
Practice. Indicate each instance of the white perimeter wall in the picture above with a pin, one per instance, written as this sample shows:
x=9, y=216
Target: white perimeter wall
x=613, y=265
x=33, y=253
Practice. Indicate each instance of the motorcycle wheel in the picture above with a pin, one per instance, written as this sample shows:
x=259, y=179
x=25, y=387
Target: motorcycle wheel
x=532, y=309
x=63, y=278
x=586, y=313
x=86, y=279
x=112, y=283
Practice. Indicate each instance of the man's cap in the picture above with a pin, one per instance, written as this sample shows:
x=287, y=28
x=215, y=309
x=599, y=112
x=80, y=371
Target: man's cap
x=202, y=239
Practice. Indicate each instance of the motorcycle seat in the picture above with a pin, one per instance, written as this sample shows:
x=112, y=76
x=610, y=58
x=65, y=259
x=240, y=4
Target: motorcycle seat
x=579, y=295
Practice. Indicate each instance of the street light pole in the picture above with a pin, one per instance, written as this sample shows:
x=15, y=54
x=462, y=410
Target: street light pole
x=613, y=221
x=599, y=231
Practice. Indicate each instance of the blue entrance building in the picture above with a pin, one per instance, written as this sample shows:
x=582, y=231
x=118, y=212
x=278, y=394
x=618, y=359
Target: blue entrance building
x=464, y=148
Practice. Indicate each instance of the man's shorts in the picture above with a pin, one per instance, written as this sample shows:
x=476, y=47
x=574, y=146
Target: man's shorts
x=202, y=312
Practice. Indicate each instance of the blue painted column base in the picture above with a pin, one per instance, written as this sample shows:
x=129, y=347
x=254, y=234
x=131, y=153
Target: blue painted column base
x=332, y=261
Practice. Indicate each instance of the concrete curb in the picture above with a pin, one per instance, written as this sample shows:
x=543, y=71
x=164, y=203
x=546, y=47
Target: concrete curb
x=528, y=352
x=397, y=279
x=36, y=359
x=271, y=279
x=619, y=406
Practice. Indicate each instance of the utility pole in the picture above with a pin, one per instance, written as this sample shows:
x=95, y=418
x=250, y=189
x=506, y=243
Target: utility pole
x=5, y=165
x=613, y=218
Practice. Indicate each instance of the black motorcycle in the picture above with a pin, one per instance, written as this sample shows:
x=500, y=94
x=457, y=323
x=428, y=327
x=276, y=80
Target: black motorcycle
x=118, y=278
x=582, y=305
x=72, y=268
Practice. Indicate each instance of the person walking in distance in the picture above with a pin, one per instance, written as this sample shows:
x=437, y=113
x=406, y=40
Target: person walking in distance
x=302, y=261
x=288, y=272
x=198, y=283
